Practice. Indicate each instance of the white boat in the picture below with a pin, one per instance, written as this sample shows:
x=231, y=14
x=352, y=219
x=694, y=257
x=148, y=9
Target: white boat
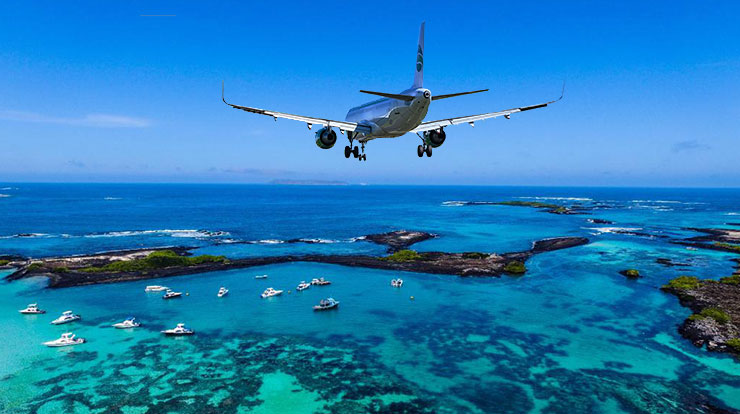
x=171, y=294
x=66, y=339
x=127, y=324
x=67, y=317
x=397, y=282
x=32, y=309
x=261, y=277
x=326, y=304
x=320, y=282
x=179, y=330
x=155, y=288
x=269, y=292
x=303, y=286
x=223, y=292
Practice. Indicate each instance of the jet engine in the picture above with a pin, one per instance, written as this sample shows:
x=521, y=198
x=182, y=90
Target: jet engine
x=326, y=138
x=435, y=137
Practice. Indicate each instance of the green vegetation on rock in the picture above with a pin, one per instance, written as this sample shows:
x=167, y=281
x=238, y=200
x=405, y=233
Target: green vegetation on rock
x=60, y=269
x=155, y=260
x=683, y=283
x=734, y=345
x=404, y=256
x=717, y=314
x=730, y=280
x=631, y=273
x=35, y=266
x=728, y=246
x=474, y=255
x=515, y=267
x=4, y=262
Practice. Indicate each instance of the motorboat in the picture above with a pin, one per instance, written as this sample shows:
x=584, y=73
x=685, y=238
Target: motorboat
x=179, y=330
x=223, y=292
x=67, y=317
x=32, y=309
x=326, y=304
x=303, y=286
x=397, y=282
x=66, y=339
x=155, y=288
x=320, y=282
x=171, y=294
x=269, y=292
x=261, y=277
x=130, y=322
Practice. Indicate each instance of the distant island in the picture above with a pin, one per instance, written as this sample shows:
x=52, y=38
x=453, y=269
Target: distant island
x=307, y=182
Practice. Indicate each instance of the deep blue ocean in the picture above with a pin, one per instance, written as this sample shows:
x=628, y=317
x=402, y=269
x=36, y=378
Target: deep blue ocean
x=571, y=336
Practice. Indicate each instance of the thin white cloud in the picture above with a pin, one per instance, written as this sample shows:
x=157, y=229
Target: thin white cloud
x=90, y=120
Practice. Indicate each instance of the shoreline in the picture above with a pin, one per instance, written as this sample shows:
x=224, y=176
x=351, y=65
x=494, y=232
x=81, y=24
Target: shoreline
x=84, y=270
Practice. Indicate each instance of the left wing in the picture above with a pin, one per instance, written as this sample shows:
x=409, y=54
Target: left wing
x=342, y=125
x=470, y=119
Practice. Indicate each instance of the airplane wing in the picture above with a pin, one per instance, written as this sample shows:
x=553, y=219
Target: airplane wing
x=343, y=125
x=470, y=119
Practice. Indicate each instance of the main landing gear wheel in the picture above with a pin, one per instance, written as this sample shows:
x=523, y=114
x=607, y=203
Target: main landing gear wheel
x=347, y=151
x=429, y=150
x=356, y=152
x=420, y=151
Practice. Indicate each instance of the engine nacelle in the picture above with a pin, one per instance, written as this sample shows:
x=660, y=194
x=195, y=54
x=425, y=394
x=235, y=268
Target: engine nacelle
x=435, y=137
x=326, y=138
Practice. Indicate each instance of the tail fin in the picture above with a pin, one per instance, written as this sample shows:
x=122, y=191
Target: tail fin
x=419, y=74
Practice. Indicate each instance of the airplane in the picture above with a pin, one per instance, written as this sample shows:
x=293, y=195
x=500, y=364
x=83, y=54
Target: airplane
x=392, y=116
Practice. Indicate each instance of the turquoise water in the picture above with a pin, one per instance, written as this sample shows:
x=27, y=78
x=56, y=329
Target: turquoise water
x=571, y=336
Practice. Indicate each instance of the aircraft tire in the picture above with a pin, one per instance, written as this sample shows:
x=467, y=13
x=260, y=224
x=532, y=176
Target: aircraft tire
x=356, y=152
x=347, y=151
x=429, y=150
x=420, y=151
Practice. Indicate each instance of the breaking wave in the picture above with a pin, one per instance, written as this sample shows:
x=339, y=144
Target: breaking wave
x=196, y=234
x=614, y=230
x=559, y=198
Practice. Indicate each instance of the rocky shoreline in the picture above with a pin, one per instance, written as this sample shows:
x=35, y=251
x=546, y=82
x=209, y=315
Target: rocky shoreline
x=715, y=321
x=91, y=269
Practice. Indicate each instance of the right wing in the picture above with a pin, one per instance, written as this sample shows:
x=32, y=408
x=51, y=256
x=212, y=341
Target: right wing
x=470, y=119
x=342, y=125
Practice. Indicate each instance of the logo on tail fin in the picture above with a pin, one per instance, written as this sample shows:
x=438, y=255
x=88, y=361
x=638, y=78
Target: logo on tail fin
x=419, y=59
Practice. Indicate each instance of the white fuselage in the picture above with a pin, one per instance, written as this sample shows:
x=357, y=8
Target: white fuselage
x=390, y=118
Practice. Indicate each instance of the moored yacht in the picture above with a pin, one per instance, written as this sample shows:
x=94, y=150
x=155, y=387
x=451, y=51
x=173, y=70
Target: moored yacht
x=179, y=330
x=67, y=317
x=269, y=292
x=320, y=282
x=326, y=304
x=261, y=277
x=303, y=286
x=171, y=294
x=130, y=322
x=66, y=339
x=155, y=288
x=223, y=292
x=32, y=309
x=397, y=282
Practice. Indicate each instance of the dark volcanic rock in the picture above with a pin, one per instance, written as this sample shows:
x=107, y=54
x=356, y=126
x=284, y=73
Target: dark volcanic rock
x=599, y=221
x=670, y=263
x=400, y=239
x=703, y=330
x=462, y=264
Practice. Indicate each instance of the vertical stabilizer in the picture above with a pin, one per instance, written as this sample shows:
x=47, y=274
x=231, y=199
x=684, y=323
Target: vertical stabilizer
x=419, y=74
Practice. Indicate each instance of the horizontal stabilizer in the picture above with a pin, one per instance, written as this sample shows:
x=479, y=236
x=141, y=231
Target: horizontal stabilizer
x=391, y=95
x=452, y=95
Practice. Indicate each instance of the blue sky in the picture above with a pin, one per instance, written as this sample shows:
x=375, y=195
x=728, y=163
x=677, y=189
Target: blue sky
x=94, y=91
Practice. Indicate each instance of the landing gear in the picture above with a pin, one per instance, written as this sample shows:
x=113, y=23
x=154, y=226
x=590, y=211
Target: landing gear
x=347, y=151
x=354, y=151
x=429, y=151
x=420, y=151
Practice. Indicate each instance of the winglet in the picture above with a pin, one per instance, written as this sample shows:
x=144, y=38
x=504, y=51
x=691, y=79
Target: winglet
x=222, y=93
x=562, y=92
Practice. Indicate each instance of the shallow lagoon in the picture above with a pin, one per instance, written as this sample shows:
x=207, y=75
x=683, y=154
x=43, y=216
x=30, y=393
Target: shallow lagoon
x=570, y=336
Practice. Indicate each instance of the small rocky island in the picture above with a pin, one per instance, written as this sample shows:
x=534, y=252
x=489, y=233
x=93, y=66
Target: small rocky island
x=716, y=306
x=141, y=264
